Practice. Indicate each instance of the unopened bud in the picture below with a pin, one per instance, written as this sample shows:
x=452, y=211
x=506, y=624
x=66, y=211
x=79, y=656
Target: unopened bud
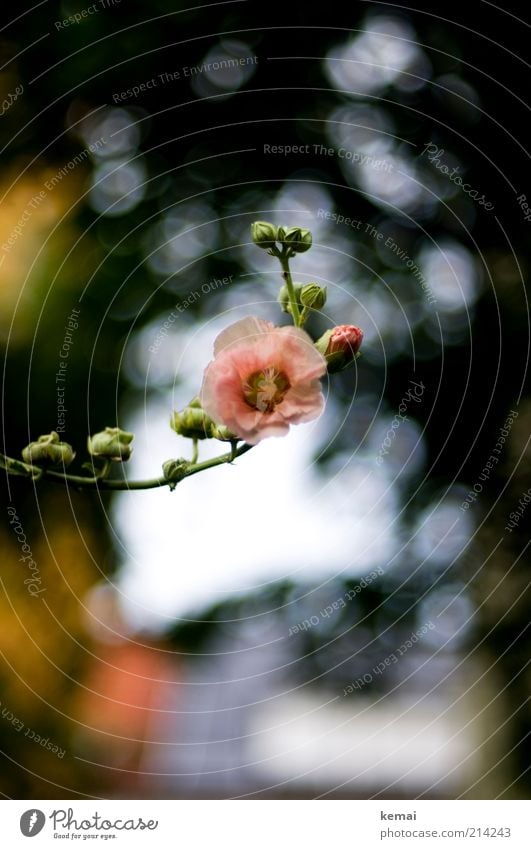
x=48, y=451
x=283, y=297
x=222, y=433
x=313, y=296
x=175, y=470
x=192, y=422
x=263, y=234
x=296, y=238
x=340, y=346
x=111, y=444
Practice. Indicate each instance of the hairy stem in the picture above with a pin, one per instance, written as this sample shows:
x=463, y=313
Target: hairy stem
x=286, y=274
x=82, y=482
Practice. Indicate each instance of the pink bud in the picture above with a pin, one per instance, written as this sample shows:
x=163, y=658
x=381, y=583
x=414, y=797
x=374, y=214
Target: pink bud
x=345, y=337
x=340, y=346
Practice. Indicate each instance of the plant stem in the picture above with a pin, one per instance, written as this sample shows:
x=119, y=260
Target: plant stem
x=82, y=482
x=195, y=452
x=286, y=274
x=218, y=461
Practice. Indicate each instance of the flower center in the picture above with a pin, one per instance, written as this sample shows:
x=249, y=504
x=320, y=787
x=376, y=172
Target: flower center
x=263, y=390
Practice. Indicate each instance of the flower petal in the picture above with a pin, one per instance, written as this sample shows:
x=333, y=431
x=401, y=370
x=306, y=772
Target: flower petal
x=274, y=428
x=221, y=382
x=302, y=403
x=305, y=361
x=245, y=330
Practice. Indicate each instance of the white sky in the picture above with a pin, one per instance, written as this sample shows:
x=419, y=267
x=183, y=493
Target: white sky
x=235, y=528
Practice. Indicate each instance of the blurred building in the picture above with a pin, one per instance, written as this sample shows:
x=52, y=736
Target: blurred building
x=258, y=712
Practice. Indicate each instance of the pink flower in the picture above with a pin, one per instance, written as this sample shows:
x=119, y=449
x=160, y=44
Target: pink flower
x=262, y=379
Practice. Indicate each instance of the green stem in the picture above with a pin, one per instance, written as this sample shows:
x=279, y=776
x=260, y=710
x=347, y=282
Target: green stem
x=102, y=471
x=286, y=274
x=82, y=482
x=195, y=452
x=218, y=461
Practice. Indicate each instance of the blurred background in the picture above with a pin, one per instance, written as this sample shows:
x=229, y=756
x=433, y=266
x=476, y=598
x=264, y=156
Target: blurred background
x=342, y=613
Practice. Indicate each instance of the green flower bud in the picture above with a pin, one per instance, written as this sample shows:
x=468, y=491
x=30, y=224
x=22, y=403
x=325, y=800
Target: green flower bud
x=283, y=297
x=340, y=346
x=111, y=444
x=175, y=470
x=222, y=433
x=263, y=234
x=192, y=422
x=48, y=451
x=298, y=239
x=313, y=296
